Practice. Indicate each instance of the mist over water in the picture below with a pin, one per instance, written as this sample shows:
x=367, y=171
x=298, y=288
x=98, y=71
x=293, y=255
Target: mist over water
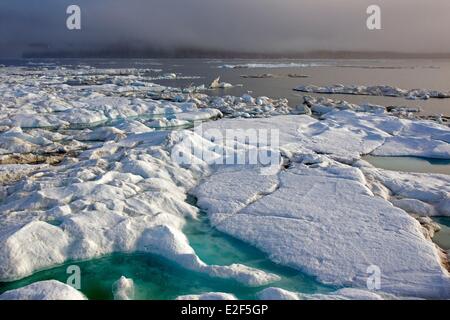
x=232, y=25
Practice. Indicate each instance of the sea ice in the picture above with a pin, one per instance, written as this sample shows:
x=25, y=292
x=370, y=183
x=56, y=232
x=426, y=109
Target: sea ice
x=123, y=289
x=412, y=146
x=342, y=294
x=273, y=65
x=208, y=296
x=387, y=91
x=289, y=215
x=103, y=180
x=293, y=225
x=44, y=290
x=132, y=199
x=216, y=84
x=426, y=188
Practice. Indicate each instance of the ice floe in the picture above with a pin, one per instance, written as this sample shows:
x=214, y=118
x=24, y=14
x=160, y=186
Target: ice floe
x=288, y=215
x=123, y=289
x=387, y=91
x=123, y=199
x=87, y=169
x=209, y=296
x=216, y=84
x=342, y=294
x=274, y=65
x=412, y=146
x=424, y=194
x=293, y=225
x=323, y=105
x=44, y=290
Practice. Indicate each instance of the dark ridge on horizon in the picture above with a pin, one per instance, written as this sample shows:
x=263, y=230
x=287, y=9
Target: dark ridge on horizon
x=127, y=53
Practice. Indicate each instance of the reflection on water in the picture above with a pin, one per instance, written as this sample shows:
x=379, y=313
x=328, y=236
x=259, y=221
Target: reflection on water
x=410, y=164
x=442, y=238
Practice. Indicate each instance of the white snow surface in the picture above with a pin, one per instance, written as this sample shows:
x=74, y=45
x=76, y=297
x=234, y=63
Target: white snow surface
x=342, y=294
x=44, y=290
x=309, y=215
x=273, y=65
x=312, y=220
x=384, y=90
x=208, y=296
x=119, y=189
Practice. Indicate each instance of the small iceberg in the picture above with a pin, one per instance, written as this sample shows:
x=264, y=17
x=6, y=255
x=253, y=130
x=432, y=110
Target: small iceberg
x=216, y=84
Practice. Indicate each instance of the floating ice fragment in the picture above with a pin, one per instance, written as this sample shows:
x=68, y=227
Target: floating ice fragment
x=123, y=289
x=216, y=84
x=387, y=91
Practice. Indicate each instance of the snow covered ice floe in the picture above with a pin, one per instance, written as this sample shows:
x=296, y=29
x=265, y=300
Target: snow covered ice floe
x=293, y=225
x=424, y=194
x=288, y=215
x=342, y=294
x=38, y=99
x=125, y=196
x=400, y=137
x=208, y=296
x=321, y=106
x=216, y=84
x=274, y=65
x=44, y=290
x=387, y=91
x=116, y=188
x=411, y=146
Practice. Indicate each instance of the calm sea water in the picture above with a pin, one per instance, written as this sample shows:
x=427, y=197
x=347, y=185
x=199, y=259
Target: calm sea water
x=406, y=74
x=410, y=164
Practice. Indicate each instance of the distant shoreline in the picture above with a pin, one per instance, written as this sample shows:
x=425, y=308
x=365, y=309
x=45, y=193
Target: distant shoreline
x=207, y=54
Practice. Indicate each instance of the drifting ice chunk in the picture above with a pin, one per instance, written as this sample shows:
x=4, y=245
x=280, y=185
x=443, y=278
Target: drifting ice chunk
x=123, y=289
x=216, y=84
x=414, y=146
x=386, y=91
x=433, y=189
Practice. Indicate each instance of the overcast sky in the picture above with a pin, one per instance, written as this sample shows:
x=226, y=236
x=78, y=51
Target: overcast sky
x=415, y=26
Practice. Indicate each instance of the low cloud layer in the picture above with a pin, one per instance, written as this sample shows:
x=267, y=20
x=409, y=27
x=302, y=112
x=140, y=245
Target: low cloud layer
x=267, y=26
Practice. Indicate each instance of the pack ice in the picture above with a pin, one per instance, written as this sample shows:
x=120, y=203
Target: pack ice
x=85, y=173
x=387, y=91
x=323, y=216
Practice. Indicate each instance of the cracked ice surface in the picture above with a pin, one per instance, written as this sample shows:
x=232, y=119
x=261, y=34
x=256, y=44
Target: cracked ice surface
x=133, y=200
x=342, y=294
x=102, y=180
x=331, y=226
x=110, y=189
x=319, y=215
